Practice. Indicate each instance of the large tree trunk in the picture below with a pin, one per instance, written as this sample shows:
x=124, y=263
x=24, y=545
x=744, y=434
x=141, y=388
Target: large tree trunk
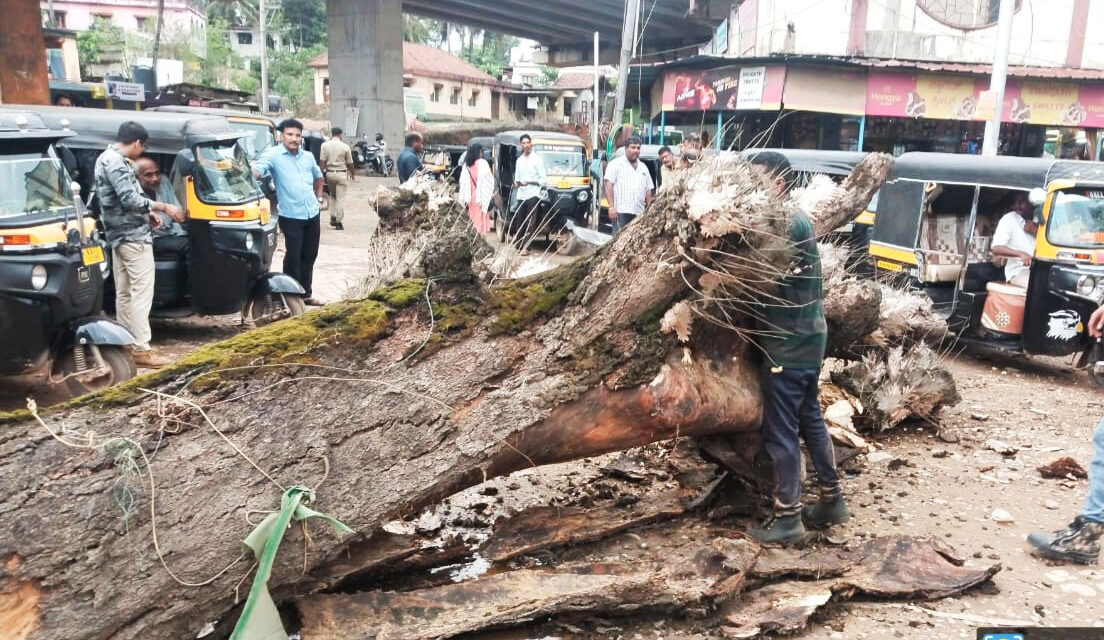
x=383, y=407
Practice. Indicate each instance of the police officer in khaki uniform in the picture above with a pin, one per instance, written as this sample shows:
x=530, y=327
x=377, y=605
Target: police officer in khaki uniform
x=337, y=165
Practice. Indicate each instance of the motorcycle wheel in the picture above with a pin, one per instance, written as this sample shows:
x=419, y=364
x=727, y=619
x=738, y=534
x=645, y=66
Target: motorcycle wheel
x=266, y=308
x=120, y=367
x=388, y=167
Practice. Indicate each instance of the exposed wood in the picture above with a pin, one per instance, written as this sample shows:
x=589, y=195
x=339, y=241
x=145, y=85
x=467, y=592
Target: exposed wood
x=549, y=527
x=515, y=597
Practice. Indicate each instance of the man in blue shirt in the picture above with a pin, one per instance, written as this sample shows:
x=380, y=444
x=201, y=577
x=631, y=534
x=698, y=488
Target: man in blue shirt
x=298, y=194
x=409, y=159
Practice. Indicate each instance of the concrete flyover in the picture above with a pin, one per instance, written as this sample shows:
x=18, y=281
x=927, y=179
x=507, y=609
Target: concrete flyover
x=365, y=50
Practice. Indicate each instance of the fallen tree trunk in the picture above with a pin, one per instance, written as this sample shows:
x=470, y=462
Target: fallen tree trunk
x=381, y=406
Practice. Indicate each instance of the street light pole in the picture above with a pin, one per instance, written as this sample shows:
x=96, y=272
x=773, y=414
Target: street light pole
x=594, y=101
x=628, y=36
x=1000, y=73
x=263, y=28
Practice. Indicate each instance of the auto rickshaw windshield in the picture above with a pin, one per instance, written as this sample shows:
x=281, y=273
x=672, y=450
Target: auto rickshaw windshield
x=1077, y=218
x=563, y=160
x=224, y=175
x=33, y=183
x=260, y=137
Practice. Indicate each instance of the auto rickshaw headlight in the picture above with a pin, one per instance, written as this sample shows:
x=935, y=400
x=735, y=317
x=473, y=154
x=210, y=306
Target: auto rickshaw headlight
x=249, y=241
x=38, y=277
x=582, y=196
x=1086, y=285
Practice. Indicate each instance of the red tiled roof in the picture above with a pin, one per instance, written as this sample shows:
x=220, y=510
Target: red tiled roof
x=430, y=62
x=574, y=80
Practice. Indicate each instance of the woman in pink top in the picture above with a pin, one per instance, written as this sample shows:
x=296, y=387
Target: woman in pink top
x=476, y=187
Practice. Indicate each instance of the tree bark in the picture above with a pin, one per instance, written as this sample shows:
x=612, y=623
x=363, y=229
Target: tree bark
x=381, y=408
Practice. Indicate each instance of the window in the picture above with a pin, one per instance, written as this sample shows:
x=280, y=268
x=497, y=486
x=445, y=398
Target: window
x=144, y=23
x=436, y=95
x=474, y=99
x=455, y=97
x=244, y=37
x=100, y=18
x=59, y=19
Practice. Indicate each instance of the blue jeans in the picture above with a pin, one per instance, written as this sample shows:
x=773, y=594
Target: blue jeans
x=791, y=411
x=1094, y=502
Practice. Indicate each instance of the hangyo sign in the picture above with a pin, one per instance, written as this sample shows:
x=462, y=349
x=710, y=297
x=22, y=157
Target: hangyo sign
x=948, y=97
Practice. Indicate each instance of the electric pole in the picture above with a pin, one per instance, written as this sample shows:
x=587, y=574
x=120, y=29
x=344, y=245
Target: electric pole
x=991, y=141
x=262, y=19
x=628, y=37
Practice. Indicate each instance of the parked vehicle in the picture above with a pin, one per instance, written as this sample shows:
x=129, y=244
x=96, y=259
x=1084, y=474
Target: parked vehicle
x=261, y=128
x=567, y=195
x=231, y=230
x=935, y=221
x=52, y=268
x=373, y=157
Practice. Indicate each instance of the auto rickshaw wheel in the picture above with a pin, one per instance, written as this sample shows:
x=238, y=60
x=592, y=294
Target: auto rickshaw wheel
x=119, y=363
x=267, y=308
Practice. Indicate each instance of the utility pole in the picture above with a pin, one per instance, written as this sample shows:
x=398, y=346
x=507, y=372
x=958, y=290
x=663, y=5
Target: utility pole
x=156, y=38
x=628, y=37
x=594, y=103
x=1000, y=73
x=262, y=20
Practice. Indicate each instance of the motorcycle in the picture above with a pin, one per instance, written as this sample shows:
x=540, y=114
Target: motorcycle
x=374, y=157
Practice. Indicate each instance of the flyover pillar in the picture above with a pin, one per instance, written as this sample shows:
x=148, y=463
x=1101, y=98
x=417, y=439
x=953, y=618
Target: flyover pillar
x=366, y=63
x=23, y=54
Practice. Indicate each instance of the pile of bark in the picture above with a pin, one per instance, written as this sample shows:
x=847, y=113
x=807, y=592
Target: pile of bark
x=390, y=403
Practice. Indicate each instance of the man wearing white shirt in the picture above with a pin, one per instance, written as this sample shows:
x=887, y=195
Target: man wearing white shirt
x=628, y=185
x=529, y=176
x=1014, y=239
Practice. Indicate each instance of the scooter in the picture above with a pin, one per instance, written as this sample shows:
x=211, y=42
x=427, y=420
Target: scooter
x=373, y=157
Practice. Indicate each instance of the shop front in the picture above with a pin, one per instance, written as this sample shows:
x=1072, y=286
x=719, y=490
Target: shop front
x=852, y=107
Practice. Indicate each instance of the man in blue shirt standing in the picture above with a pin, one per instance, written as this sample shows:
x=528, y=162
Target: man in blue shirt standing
x=409, y=160
x=298, y=194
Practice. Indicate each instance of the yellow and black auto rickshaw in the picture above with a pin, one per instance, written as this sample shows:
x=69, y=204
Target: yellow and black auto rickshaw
x=936, y=217
x=230, y=229
x=567, y=193
x=52, y=268
x=260, y=128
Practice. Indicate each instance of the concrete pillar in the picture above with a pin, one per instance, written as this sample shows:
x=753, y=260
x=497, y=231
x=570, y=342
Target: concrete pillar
x=366, y=68
x=23, y=78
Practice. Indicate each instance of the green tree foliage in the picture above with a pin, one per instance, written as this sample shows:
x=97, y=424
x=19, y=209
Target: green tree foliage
x=94, y=43
x=290, y=77
x=303, y=22
x=548, y=76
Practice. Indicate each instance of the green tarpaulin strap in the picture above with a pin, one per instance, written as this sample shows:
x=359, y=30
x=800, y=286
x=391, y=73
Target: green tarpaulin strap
x=259, y=618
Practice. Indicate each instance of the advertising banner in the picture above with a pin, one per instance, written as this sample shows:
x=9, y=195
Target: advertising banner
x=944, y=97
x=825, y=90
x=724, y=89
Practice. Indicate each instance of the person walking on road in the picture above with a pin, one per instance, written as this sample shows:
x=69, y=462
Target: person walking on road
x=337, y=163
x=1080, y=541
x=530, y=176
x=628, y=185
x=129, y=217
x=793, y=339
x=410, y=160
x=476, y=187
x=299, y=194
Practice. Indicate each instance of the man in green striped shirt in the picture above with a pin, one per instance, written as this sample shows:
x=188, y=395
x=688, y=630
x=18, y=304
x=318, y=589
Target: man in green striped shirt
x=793, y=339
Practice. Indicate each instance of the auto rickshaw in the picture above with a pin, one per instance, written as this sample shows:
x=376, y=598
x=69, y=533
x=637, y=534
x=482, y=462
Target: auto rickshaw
x=52, y=268
x=231, y=231
x=261, y=128
x=936, y=216
x=567, y=193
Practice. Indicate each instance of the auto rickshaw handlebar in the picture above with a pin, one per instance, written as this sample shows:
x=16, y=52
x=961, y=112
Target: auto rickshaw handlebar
x=78, y=207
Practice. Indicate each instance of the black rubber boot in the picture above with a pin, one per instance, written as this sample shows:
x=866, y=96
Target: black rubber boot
x=1079, y=542
x=780, y=529
x=823, y=514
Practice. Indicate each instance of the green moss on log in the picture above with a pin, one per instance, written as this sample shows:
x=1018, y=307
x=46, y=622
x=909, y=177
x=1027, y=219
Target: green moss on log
x=18, y=415
x=519, y=303
x=401, y=294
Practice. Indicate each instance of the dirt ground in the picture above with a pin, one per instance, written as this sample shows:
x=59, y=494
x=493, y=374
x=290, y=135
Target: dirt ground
x=937, y=480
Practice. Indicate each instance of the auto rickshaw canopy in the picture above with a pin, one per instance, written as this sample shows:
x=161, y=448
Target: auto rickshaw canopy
x=21, y=124
x=1009, y=172
x=834, y=163
x=168, y=132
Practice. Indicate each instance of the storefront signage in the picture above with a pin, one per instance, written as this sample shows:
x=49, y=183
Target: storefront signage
x=132, y=91
x=720, y=38
x=947, y=97
x=825, y=90
x=724, y=89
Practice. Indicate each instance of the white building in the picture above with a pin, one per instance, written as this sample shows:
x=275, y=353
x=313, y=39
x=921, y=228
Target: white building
x=182, y=18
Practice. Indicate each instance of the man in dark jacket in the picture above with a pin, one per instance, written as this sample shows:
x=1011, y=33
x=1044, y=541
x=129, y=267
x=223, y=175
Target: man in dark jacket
x=794, y=335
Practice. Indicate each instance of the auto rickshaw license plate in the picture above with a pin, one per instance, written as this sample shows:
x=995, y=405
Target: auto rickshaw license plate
x=92, y=255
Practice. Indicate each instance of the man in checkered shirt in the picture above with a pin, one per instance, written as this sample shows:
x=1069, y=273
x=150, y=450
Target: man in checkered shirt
x=628, y=185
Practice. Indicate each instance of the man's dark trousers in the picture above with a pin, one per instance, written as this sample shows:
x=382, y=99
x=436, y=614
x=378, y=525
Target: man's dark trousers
x=791, y=410
x=301, y=239
x=528, y=221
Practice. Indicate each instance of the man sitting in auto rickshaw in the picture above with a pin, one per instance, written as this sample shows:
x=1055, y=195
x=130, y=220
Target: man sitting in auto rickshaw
x=1014, y=239
x=170, y=237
